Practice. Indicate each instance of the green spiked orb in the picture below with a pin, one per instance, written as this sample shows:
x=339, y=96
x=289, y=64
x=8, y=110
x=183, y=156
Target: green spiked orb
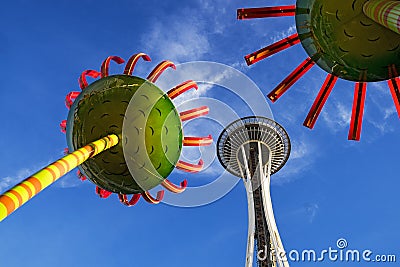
x=355, y=40
x=345, y=42
x=146, y=123
x=153, y=133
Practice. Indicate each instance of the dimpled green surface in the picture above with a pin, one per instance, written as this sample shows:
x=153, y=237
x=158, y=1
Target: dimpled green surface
x=146, y=122
x=348, y=44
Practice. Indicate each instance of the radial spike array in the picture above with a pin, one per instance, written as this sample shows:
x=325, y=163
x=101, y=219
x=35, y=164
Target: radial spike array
x=291, y=79
x=102, y=193
x=124, y=199
x=197, y=141
x=106, y=64
x=69, y=99
x=174, y=188
x=320, y=101
x=160, y=195
x=181, y=88
x=184, y=116
x=160, y=68
x=130, y=65
x=265, y=12
x=82, y=79
x=188, y=167
x=272, y=49
x=329, y=46
x=358, y=111
x=194, y=113
x=394, y=85
x=79, y=121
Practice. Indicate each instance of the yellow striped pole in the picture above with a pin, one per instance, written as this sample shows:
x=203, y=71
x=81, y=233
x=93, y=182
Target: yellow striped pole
x=384, y=12
x=31, y=186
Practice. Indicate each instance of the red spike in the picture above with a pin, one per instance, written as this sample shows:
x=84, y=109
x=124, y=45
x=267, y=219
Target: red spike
x=198, y=141
x=392, y=71
x=181, y=88
x=272, y=49
x=106, y=64
x=124, y=199
x=81, y=176
x=194, y=113
x=156, y=72
x=69, y=99
x=150, y=199
x=291, y=79
x=174, y=188
x=320, y=101
x=266, y=12
x=82, y=79
x=63, y=126
x=188, y=167
x=394, y=85
x=358, y=111
x=102, y=193
x=130, y=65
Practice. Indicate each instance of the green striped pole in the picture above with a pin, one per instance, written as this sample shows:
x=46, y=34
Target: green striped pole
x=31, y=186
x=384, y=12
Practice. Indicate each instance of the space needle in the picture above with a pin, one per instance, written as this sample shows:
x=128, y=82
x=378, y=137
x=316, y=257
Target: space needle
x=254, y=148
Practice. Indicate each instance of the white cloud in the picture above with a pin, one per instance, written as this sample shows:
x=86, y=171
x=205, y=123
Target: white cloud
x=9, y=181
x=302, y=156
x=69, y=180
x=380, y=107
x=178, y=41
x=311, y=210
x=307, y=210
x=336, y=115
x=283, y=34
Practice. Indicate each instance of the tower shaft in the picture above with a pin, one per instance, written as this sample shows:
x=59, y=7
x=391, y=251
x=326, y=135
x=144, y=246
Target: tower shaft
x=261, y=235
x=254, y=160
x=254, y=148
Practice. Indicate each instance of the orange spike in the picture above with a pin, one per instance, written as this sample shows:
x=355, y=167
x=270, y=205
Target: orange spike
x=150, y=199
x=130, y=65
x=291, y=79
x=102, y=193
x=124, y=199
x=81, y=176
x=358, y=111
x=106, y=64
x=320, y=101
x=272, y=49
x=194, y=113
x=69, y=99
x=63, y=126
x=181, y=88
x=174, y=188
x=188, y=167
x=198, y=141
x=394, y=85
x=265, y=12
x=156, y=72
x=392, y=71
x=82, y=79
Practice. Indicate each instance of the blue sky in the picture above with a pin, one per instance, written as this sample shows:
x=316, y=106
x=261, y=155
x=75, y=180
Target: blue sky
x=331, y=188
